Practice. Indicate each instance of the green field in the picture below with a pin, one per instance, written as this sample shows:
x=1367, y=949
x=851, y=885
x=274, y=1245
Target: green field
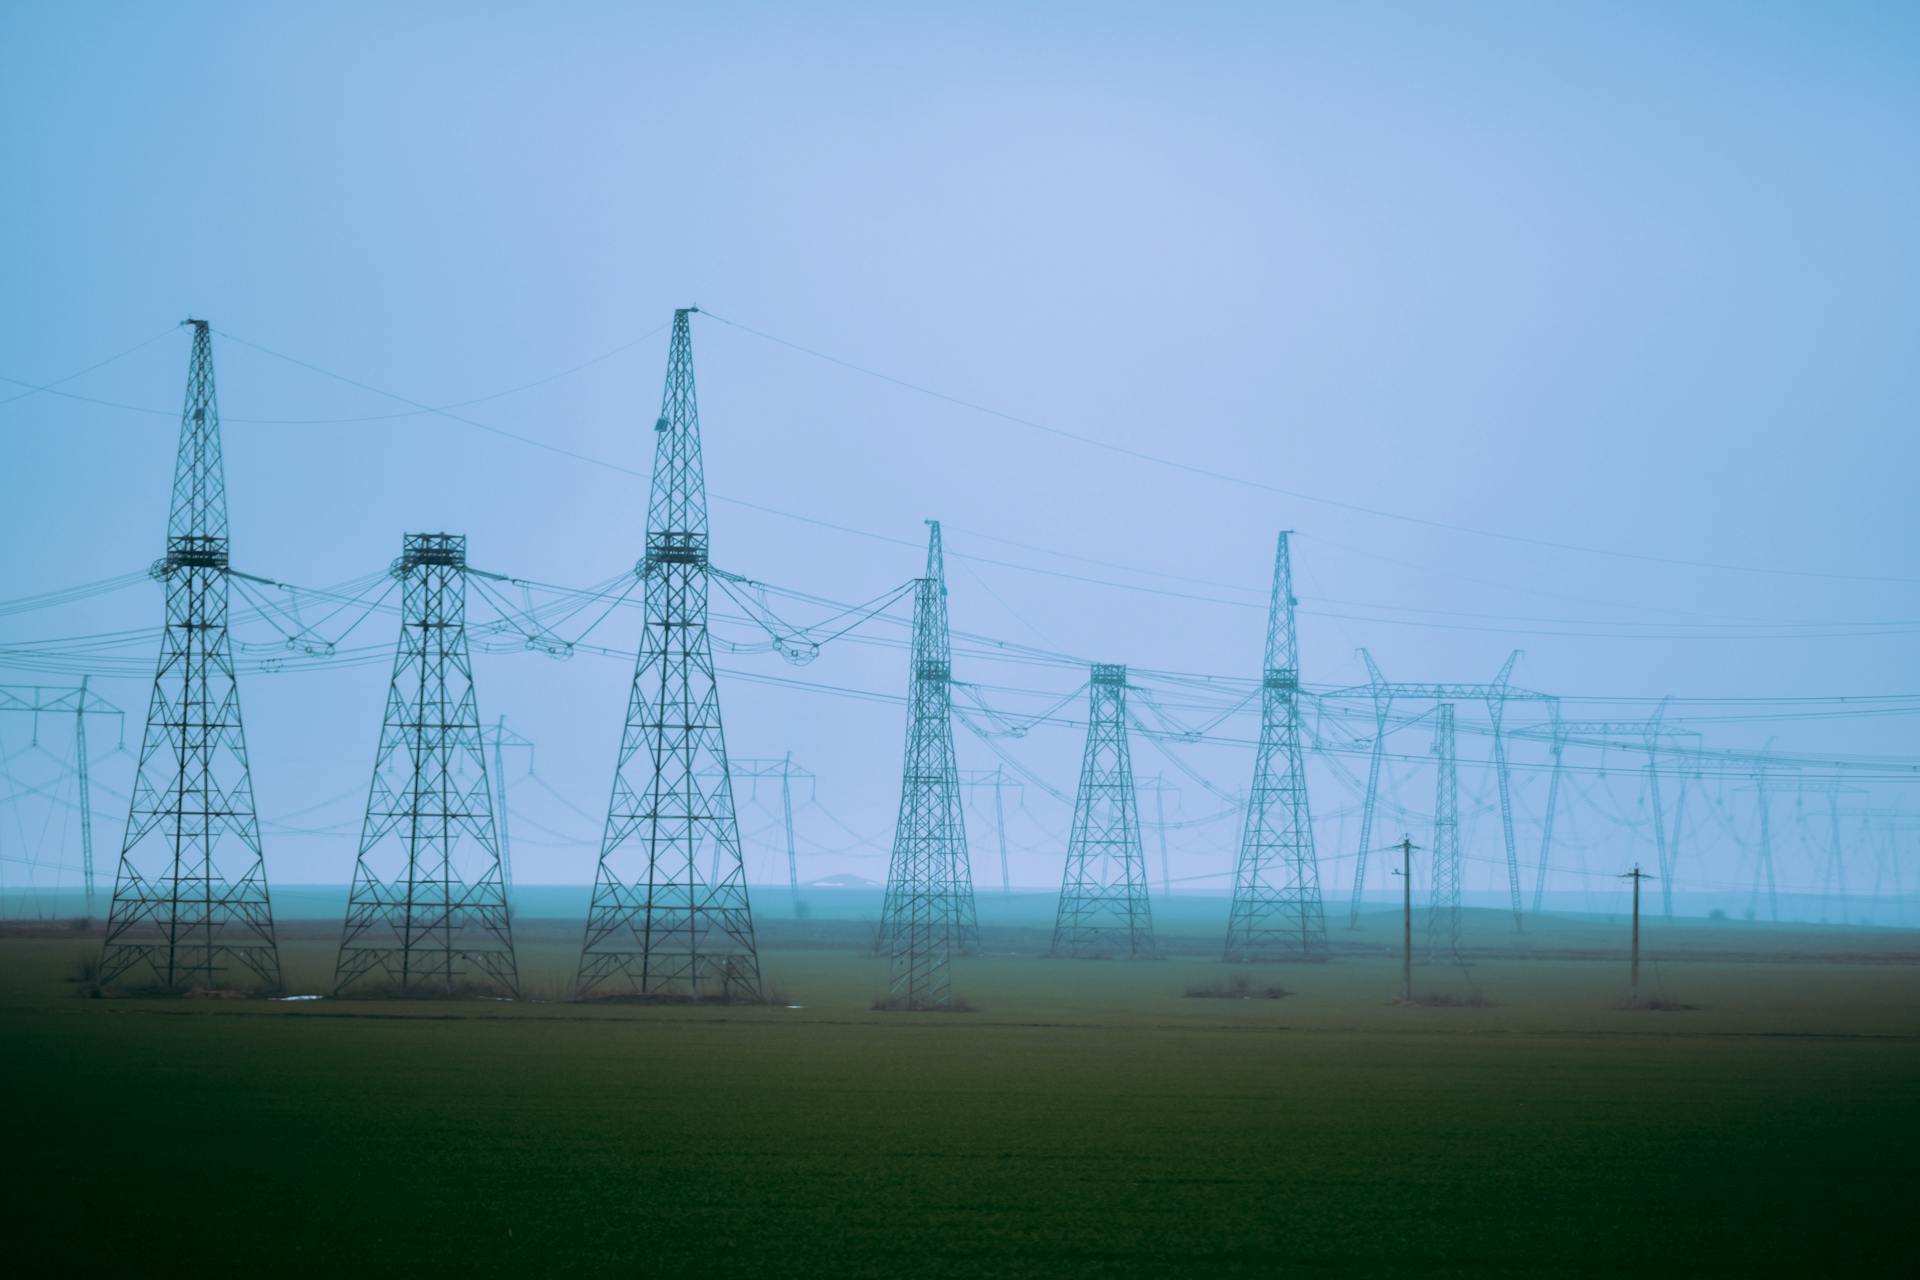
x=1088, y=1117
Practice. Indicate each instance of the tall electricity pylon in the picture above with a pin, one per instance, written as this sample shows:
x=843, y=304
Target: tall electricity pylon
x=498, y=742
x=929, y=910
x=36, y=701
x=995, y=780
x=1103, y=895
x=427, y=913
x=1496, y=714
x=1655, y=737
x=1763, y=867
x=1382, y=705
x=657, y=924
x=190, y=901
x=1496, y=696
x=1893, y=825
x=1443, y=917
x=1764, y=797
x=1557, y=740
x=1158, y=787
x=1277, y=912
x=786, y=773
x=1833, y=876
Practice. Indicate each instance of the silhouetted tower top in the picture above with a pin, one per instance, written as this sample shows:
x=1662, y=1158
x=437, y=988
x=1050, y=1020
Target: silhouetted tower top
x=932, y=644
x=677, y=510
x=1283, y=646
x=197, y=521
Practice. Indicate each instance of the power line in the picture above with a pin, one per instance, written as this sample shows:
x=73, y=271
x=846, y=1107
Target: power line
x=1264, y=487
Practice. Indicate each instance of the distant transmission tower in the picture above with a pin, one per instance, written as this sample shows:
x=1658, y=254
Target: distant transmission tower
x=657, y=925
x=1763, y=869
x=929, y=909
x=190, y=899
x=427, y=912
x=1277, y=912
x=36, y=701
x=1496, y=696
x=1443, y=919
x=498, y=742
x=1103, y=895
x=786, y=772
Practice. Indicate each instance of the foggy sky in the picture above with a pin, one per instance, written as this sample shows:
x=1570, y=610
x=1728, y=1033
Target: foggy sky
x=1626, y=277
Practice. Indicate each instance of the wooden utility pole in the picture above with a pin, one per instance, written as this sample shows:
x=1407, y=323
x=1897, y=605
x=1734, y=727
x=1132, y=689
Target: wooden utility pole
x=1406, y=919
x=1636, y=875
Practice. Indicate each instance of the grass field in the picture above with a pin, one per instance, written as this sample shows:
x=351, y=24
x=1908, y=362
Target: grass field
x=1088, y=1117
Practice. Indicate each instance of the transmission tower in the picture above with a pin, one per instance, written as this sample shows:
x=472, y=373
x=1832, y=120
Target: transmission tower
x=190, y=898
x=1656, y=738
x=1382, y=705
x=1833, y=873
x=929, y=911
x=785, y=772
x=1443, y=918
x=656, y=926
x=427, y=912
x=498, y=743
x=1496, y=696
x=37, y=701
x=1103, y=895
x=1763, y=867
x=1892, y=824
x=1557, y=740
x=1277, y=912
x=994, y=780
x=1158, y=787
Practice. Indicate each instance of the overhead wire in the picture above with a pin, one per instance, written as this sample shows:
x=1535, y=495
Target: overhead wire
x=1247, y=481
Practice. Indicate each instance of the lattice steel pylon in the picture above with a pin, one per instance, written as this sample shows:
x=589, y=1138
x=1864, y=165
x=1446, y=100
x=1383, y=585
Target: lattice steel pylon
x=669, y=914
x=1103, y=894
x=929, y=909
x=1376, y=755
x=1443, y=913
x=1277, y=913
x=427, y=913
x=190, y=901
x=1652, y=735
x=36, y=701
x=1496, y=696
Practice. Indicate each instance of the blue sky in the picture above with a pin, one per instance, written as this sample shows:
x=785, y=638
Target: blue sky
x=1632, y=277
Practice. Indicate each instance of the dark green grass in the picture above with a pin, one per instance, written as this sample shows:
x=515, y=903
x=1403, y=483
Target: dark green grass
x=1088, y=1118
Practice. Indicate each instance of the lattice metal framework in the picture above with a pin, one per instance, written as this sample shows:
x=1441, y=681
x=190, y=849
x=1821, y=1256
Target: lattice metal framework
x=498, y=742
x=1277, y=912
x=670, y=914
x=36, y=701
x=1443, y=914
x=1654, y=737
x=1763, y=866
x=190, y=900
x=1496, y=696
x=974, y=781
x=427, y=913
x=929, y=909
x=1833, y=868
x=1893, y=827
x=1376, y=758
x=1103, y=894
x=785, y=772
